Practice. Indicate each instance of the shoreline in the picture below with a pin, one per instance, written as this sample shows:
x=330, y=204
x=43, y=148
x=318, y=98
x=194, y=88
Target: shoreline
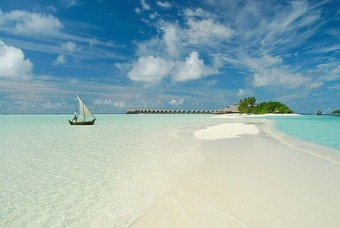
x=250, y=179
x=268, y=126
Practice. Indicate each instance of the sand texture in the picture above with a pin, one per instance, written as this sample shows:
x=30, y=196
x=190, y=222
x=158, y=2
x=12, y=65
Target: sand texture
x=249, y=179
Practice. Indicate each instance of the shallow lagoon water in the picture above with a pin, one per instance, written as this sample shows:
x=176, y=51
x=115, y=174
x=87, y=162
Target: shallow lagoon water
x=106, y=175
x=56, y=175
x=323, y=130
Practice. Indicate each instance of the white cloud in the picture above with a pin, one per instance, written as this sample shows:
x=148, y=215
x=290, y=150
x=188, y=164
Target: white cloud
x=287, y=22
x=250, y=41
x=70, y=3
x=153, y=70
x=244, y=92
x=60, y=60
x=176, y=39
x=199, y=12
x=103, y=102
x=108, y=102
x=56, y=106
x=313, y=85
x=145, y=5
x=192, y=68
x=211, y=82
x=328, y=48
x=173, y=44
x=120, y=104
x=176, y=102
x=278, y=77
x=206, y=31
x=150, y=69
x=329, y=71
x=23, y=105
x=13, y=62
x=154, y=46
x=168, y=45
x=23, y=22
x=171, y=40
x=69, y=46
x=164, y=4
x=154, y=15
x=269, y=71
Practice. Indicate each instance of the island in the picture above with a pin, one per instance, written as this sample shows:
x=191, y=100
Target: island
x=249, y=106
x=336, y=112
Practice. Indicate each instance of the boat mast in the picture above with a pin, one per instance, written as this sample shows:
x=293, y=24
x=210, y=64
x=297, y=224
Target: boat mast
x=84, y=112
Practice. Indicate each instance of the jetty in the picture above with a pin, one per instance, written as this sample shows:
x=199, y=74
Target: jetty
x=228, y=110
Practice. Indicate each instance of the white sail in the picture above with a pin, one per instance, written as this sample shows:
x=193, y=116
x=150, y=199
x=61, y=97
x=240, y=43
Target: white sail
x=84, y=110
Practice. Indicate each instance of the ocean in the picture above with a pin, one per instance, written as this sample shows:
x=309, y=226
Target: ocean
x=106, y=175
x=323, y=130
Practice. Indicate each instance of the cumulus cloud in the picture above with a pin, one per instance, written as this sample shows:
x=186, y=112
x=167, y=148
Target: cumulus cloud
x=154, y=46
x=68, y=48
x=13, y=63
x=23, y=22
x=249, y=41
x=168, y=45
x=170, y=54
x=150, y=69
x=164, y=56
x=153, y=70
x=192, y=68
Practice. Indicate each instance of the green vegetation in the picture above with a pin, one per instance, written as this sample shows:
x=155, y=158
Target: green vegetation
x=336, y=112
x=249, y=106
x=246, y=105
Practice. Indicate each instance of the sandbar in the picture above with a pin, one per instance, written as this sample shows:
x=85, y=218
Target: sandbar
x=249, y=179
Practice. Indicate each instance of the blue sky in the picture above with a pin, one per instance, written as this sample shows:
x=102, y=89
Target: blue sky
x=202, y=54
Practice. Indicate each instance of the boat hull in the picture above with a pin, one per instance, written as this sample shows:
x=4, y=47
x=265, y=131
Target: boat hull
x=82, y=122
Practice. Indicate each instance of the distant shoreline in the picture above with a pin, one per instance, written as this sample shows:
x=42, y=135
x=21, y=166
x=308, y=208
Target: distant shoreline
x=124, y=113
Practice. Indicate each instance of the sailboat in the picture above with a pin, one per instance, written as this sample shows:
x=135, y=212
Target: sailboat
x=86, y=116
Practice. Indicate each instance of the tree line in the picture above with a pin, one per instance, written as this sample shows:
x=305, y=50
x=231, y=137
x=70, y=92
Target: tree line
x=336, y=112
x=249, y=106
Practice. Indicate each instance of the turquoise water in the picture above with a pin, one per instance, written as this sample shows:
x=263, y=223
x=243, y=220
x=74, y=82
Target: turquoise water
x=323, y=130
x=56, y=175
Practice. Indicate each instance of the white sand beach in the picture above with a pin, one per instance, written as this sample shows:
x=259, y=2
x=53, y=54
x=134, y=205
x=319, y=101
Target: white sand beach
x=249, y=179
